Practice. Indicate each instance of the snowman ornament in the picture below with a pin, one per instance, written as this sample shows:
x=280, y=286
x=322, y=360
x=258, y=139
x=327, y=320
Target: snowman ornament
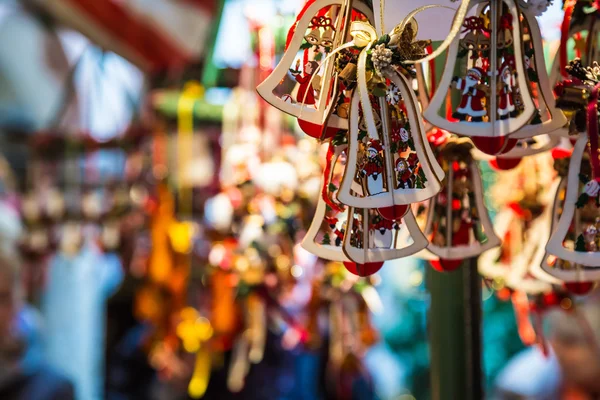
x=381, y=229
x=373, y=168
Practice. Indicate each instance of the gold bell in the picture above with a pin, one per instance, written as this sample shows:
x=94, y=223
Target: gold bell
x=314, y=37
x=327, y=38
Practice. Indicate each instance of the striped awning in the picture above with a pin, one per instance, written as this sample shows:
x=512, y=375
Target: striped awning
x=155, y=35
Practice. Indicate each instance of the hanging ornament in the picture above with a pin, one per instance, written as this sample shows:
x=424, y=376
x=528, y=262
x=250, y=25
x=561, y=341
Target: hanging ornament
x=576, y=238
x=519, y=208
x=540, y=233
x=494, y=96
x=458, y=225
x=523, y=148
x=316, y=92
x=574, y=276
x=370, y=238
x=547, y=117
x=391, y=161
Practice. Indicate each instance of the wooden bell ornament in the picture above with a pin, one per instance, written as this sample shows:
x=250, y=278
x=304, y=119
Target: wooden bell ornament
x=548, y=118
x=520, y=207
x=572, y=275
x=458, y=225
x=577, y=237
x=492, y=99
x=395, y=167
x=370, y=238
x=541, y=231
x=325, y=235
x=318, y=31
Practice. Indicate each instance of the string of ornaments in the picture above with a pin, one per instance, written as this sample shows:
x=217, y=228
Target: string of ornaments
x=402, y=171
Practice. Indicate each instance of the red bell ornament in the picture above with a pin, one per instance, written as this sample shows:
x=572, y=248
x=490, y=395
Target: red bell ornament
x=304, y=83
x=490, y=94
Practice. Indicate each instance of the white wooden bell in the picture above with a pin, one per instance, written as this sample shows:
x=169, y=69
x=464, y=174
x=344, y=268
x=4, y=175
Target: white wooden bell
x=490, y=81
x=397, y=167
x=311, y=106
x=577, y=237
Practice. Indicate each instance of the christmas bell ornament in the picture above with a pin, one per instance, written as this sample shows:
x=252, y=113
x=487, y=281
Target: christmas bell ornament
x=325, y=235
x=541, y=231
x=458, y=225
x=392, y=162
x=574, y=276
x=576, y=238
x=318, y=31
x=494, y=95
x=547, y=118
x=370, y=238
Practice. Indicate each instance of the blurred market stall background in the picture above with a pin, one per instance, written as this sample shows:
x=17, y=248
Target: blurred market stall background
x=157, y=203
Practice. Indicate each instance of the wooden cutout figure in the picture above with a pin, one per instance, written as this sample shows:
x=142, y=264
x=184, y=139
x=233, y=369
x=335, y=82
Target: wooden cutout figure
x=458, y=224
x=491, y=95
x=316, y=34
x=397, y=167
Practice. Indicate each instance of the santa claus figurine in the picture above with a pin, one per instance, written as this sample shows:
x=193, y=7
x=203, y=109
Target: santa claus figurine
x=404, y=174
x=506, y=92
x=306, y=93
x=373, y=168
x=471, y=104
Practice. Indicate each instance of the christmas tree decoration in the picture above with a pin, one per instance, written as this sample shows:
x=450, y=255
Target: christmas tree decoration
x=548, y=118
x=458, y=225
x=370, y=238
x=392, y=163
x=320, y=28
x=494, y=95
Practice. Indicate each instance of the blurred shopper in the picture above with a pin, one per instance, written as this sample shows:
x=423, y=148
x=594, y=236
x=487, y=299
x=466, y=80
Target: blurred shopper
x=74, y=310
x=23, y=376
x=572, y=369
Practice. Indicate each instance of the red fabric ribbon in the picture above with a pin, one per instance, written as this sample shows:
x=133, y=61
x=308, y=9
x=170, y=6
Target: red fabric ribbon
x=475, y=24
x=506, y=21
x=298, y=18
x=326, y=174
x=564, y=36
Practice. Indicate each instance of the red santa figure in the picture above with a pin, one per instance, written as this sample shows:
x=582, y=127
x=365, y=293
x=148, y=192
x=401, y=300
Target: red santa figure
x=306, y=93
x=404, y=174
x=471, y=104
x=337, y=228
x=373, y=168
x=381, y=229
x=506, y=91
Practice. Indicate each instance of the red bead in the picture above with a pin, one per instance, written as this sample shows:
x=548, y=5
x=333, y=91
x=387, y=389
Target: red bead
x=443, y=265
x=503, y=164
x=393, y=213
x=494, y=145
x=315, y=130
x=580, y=288
x=363, y=269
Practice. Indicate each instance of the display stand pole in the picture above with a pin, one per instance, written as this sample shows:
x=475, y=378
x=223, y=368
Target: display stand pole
x=455, y=333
